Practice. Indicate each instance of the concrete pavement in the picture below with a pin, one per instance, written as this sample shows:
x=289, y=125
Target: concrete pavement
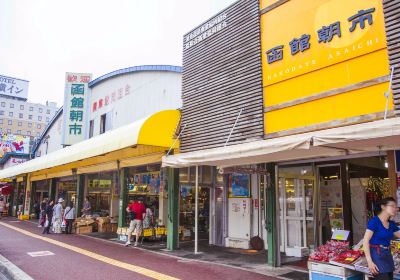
x=77, y=257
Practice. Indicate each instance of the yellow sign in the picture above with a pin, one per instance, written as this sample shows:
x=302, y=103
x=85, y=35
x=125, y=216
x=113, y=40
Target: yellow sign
x=311, y=47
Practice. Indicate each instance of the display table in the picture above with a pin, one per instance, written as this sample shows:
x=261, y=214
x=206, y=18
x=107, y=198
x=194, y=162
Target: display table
x=325, y=271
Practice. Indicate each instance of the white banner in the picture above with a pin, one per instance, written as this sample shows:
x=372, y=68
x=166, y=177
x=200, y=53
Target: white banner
x=13, y=87
x=76, y=107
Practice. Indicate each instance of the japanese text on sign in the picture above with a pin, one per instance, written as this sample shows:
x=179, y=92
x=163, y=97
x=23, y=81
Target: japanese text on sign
x=13, y=87
x=325, y=35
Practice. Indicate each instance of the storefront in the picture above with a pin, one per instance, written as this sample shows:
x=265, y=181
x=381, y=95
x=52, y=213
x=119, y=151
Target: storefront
x=66, y=189
x=42, y=190
x=148, y=182
x=322, y=196
x=101, y=187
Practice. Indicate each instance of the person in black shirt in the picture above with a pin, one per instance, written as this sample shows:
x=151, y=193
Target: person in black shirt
x=49, y=217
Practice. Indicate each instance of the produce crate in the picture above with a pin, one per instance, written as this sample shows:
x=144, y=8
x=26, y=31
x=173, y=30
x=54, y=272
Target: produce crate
x=147, y=232
x=84, y=230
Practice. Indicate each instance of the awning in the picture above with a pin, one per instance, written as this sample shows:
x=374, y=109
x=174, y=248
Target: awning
x=379, y=135
x=154, y=131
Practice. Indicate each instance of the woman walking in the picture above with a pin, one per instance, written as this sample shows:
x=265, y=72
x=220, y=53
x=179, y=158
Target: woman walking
x=69, y=217
x=49, y=217
x=380, y=231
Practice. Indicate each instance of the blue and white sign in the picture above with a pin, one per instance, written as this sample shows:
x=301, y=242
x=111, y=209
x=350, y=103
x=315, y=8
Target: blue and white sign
x=13, y=87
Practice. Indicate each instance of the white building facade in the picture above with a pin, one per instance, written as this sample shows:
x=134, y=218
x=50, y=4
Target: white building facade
x=127, y=95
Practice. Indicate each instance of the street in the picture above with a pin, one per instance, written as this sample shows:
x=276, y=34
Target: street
x=79, y=257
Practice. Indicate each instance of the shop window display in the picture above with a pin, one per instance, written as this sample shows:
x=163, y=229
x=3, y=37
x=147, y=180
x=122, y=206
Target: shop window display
x=99, y=192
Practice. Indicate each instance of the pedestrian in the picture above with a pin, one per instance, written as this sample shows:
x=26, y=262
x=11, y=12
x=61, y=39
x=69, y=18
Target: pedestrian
x=36, y=209
x=136, y=211
x=49, y=217
x=58, y=216
x=87, y=207
x=380, y=231
x=148, y=218
x=69, y=217
x=42, y=214
x=2, y=205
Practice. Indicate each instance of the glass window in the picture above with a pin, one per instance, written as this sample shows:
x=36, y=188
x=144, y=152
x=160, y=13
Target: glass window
x=48, y=111
x=1, y=121
x=1, y=113
x=18, y=131
x=8, y=130
x=39, y=118
x=38, y=133
x=28, y=132
x=40, y=110
x=3, y=104
x=10, y=114
x=9, y=122
x=39, y=126
x=30, y=124
x=31, y=109
x=21, y=107
x=30, y=117
x=21, y=116
x=11, y=105
x=19, y=123
x=103, y=124
x=47, y=119
x=91, y=128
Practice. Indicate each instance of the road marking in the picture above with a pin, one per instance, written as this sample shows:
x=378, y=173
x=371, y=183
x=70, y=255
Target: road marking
x=137, y=269
x=40, y=254
x=15, y=221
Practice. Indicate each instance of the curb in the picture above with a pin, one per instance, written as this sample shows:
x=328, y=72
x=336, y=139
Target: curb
x=11, y=271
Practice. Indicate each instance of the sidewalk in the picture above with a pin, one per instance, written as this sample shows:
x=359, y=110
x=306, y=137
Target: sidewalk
x=254, y=261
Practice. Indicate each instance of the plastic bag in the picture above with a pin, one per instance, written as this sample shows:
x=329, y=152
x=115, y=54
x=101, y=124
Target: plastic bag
x=46, y=223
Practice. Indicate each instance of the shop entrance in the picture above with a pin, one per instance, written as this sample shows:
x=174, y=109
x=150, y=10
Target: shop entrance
x=296, y=210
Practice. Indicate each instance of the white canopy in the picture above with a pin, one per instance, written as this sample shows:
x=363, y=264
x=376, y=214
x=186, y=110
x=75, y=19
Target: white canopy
x=366, y=137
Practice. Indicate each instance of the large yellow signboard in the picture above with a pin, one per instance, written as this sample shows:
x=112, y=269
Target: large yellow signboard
x=311, y=47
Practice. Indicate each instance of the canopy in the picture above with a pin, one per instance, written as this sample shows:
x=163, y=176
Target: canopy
x=155, y=131
x=366, y=137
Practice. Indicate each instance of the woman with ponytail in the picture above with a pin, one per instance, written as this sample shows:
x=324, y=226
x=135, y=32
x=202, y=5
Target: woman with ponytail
x=380, y=231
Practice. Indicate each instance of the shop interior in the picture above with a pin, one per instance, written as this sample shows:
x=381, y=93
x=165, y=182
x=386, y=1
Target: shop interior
x=318, y=198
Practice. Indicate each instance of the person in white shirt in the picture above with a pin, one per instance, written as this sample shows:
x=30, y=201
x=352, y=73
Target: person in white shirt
x=69, y=216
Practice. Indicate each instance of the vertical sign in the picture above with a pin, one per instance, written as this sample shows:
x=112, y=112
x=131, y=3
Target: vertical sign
x=76, y=104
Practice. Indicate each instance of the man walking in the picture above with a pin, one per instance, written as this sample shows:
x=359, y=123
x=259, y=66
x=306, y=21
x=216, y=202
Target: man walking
x=136, y=212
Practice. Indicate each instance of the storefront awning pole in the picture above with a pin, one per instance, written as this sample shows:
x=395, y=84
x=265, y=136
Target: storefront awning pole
x=196, y=212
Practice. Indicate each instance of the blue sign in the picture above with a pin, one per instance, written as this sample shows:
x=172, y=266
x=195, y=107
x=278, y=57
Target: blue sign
x=397, y=160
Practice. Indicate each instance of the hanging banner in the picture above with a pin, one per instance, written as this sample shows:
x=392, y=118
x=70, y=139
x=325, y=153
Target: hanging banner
x=76, y=107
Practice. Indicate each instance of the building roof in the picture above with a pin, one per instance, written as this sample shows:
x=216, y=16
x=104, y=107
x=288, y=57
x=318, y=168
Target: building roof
x=46, y=130
x=140, y=68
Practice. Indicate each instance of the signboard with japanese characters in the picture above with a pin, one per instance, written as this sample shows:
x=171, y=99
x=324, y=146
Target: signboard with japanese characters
x=320, y=58
x=76, y=107
x=13, y=87
x=319, y=34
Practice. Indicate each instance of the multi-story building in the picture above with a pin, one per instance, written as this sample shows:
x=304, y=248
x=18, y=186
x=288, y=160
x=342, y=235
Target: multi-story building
x=17, y=116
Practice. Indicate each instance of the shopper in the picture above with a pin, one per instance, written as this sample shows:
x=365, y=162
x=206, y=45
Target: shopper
x=86, y=210
x=380, y=231
x=58, y=216
x=48, y=216
x=2, y=205
x=69, y=217
x=136, y=211
x=36, y=209
x=148, y=218
x=42, y=214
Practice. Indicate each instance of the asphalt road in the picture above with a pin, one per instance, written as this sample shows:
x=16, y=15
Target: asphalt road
x=79, y=257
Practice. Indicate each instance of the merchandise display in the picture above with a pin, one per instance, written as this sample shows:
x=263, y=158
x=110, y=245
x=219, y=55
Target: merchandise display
x=329, y=251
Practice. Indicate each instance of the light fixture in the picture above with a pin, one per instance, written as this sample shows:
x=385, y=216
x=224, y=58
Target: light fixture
x=303, y=171
x=386, y=164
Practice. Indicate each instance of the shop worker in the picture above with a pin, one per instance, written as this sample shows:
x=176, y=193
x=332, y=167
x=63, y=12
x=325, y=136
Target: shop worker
x=136, y=212
x=380, y=231
x=86, y=207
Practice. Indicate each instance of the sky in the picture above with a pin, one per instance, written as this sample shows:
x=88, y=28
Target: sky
x=40, y=40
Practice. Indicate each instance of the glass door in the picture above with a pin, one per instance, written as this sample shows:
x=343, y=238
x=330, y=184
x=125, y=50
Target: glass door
x=296, y=210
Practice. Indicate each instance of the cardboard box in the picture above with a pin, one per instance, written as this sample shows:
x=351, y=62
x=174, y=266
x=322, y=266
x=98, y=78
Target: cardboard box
x=114, y=227
x=102, y=227
x=103, y=220
x=84, y=230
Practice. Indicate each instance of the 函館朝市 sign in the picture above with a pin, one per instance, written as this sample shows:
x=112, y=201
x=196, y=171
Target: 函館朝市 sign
x=76, y=104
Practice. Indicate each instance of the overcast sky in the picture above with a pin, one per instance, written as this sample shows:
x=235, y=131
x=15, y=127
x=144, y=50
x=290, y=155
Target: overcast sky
x=40, y=40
